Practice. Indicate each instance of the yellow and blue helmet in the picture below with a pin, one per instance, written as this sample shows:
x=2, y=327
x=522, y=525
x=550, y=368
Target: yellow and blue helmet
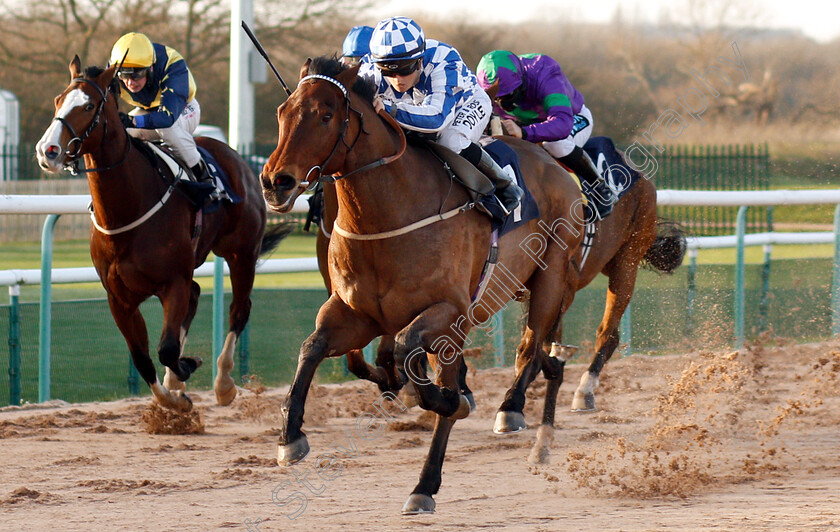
x=136, y=48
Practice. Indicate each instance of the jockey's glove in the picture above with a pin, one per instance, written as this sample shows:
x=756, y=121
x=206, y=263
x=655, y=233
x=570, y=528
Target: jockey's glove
x=126, y=120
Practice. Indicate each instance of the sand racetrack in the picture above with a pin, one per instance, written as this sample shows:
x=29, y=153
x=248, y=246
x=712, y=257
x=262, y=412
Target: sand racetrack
x=723, y=440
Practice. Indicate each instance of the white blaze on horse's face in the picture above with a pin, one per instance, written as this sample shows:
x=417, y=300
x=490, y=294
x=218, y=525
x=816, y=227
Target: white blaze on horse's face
x=49, y=150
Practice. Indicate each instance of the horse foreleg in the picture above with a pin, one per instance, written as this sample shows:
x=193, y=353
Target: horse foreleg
x=131, y=324
x=420, y=501
x=428, y=334
x=337, y=331
x=175, y=301
x=170, y=381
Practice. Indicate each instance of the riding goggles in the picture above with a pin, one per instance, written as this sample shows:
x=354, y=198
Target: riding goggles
x=399, y=68
x=509, y=102
x=132, y=73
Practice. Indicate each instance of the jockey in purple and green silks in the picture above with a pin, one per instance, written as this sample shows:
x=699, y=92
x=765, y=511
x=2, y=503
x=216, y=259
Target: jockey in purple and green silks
x=538, y=103
x=535, y=92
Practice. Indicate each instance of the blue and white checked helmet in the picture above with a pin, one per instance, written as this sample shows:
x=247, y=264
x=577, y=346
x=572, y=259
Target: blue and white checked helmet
x=397, y=38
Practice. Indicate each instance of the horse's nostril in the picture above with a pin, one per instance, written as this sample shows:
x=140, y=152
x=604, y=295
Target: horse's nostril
x=52, y=152
x=284, y=182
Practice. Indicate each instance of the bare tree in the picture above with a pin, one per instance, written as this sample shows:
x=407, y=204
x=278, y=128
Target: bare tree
x=41, y=36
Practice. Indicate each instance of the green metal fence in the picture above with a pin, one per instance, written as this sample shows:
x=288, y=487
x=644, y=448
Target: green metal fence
x=726, y=167
x=90, y=360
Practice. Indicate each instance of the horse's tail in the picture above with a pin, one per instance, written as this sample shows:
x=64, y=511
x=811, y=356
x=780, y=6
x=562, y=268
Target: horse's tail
x=668, y=249
x=274, y=234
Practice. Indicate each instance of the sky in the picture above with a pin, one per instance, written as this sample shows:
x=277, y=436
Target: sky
x=818, y=19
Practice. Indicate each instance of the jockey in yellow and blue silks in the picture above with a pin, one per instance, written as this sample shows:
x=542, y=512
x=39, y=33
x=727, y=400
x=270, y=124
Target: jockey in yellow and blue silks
x=426, y=86
x=155, y=79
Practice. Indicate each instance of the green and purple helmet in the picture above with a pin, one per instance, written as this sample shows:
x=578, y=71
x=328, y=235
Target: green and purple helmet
x=501, y=66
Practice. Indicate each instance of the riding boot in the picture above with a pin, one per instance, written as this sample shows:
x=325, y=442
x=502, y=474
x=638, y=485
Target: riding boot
x=202, y=175
x=600, y=193
x=507, y=191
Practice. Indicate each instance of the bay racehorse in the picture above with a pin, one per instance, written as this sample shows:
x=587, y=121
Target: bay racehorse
x=631, y=236
x=411, y=251
x=147, y=237
x=383, y=374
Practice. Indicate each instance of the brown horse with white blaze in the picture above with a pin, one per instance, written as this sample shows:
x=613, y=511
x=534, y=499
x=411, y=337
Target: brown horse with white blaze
x=410, y=252
x=143, y=236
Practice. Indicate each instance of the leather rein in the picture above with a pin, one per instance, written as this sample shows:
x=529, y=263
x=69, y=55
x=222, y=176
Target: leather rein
x=72, y=165
x=370, y=166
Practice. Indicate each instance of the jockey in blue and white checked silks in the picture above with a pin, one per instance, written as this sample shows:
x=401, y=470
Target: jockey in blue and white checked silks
x=426, y=86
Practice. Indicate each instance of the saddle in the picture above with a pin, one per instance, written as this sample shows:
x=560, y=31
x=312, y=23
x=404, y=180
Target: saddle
x=186, y=182
x=481, y=189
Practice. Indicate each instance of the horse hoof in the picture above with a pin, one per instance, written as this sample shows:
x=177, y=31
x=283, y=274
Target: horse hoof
x=541, y=451
x=225, y=391
x=418, y=503
x=464, y=408
x=181, y=401
x=509, y=422
x=408, y=395
x=469, y=397
x=582, y=403
x=539, y=456
x=292, y=453
x=187, y=366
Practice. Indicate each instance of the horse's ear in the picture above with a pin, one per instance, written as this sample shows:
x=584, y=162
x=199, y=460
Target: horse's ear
x=492, y=90
x=304, y=70
x=348, y=76
x=75, y=67
x=107, y=76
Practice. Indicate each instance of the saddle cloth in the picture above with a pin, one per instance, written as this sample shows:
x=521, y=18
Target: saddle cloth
x=194, y=190
x=610, y=164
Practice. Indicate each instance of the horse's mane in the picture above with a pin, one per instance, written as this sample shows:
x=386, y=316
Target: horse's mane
x=331, y=66
x=94, y=71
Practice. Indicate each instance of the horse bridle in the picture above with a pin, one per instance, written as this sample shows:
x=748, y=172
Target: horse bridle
x=72, y=165
x=342, y=138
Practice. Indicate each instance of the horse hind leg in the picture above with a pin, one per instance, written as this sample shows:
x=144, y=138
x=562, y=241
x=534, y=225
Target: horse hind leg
x=552, y=367
x=358, y=366
x=242, y=283
x=620, y=290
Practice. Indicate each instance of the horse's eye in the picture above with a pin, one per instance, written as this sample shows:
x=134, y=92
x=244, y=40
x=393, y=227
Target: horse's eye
x=89, y=107
x=327, y=117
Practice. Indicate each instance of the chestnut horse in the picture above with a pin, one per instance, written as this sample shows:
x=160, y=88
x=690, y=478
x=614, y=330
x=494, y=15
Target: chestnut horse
x=410, y=252
x=144, y=239
x=630, y=236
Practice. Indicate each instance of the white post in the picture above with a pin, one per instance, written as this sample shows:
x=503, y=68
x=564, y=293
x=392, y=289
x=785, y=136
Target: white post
x=241, y=117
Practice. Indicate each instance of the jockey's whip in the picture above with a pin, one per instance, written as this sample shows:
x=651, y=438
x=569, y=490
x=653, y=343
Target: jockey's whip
x=263, y=53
